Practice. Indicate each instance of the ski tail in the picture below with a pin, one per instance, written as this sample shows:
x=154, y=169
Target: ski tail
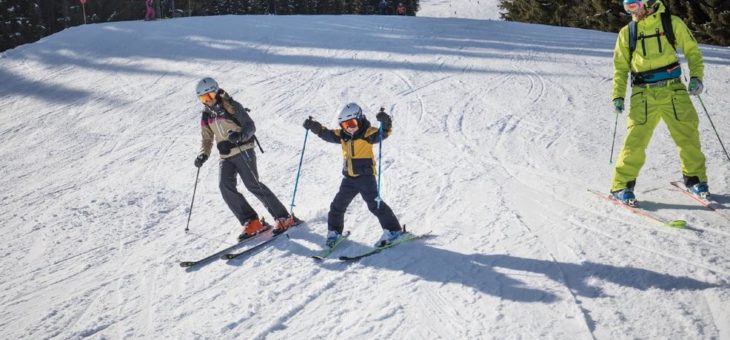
x=707, y=203
x=216, y=255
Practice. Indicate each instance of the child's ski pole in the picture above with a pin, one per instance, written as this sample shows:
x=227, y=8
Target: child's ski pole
x=299, y=170
x=380, y=154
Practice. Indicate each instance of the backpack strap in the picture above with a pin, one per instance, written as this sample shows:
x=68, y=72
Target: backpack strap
x=231, y=117
x=666, y=26
x=668, y=30
x=632, y=40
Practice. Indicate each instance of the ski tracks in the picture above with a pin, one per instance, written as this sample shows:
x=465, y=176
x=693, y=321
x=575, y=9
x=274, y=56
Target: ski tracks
x=280, y=322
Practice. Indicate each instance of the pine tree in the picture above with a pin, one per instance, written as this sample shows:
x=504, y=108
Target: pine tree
x=20, y=22
x=717, y=27
x=708, y=20
x=530, y=11
x=606, y=15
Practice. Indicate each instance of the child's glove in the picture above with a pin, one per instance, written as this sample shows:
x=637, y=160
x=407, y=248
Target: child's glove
x=384, y=119
x=312, y=125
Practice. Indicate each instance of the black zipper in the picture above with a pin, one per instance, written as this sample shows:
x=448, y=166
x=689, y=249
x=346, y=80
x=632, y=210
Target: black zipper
x=659, y=40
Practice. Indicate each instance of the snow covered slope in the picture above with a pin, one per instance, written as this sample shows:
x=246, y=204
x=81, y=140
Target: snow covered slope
x=499, y=129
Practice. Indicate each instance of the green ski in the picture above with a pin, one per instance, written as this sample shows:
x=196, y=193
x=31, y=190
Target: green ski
x=323, y=254
x=405, y=238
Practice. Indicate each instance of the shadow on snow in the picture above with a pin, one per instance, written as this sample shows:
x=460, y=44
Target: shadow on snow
x=260, y=38
x=482, y=271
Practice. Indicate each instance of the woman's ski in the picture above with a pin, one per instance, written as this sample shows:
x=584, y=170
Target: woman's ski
x=216, y=255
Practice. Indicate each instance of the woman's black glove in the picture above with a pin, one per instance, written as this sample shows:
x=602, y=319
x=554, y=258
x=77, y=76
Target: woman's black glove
x=235, y=137
x=200, y=160
x=225, y=147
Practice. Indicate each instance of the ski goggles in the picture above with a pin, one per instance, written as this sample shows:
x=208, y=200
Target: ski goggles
x=208, y=97
x=349, y=124
x=633, y=6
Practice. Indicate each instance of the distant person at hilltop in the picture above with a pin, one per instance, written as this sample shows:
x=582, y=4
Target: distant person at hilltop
x=401, y=9
x=383, y=7
x=150, y=14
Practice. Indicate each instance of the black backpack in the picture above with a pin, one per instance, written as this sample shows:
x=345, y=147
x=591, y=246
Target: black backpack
x=666, y=26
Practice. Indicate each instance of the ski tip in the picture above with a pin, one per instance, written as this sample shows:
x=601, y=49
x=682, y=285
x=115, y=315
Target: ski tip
x=678, y=224
x=186, y=264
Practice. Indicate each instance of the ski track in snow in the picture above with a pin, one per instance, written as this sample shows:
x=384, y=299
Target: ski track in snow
x=498, y=130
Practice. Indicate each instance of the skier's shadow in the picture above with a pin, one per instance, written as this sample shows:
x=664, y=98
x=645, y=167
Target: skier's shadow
x=656, y=206
x=499, y=274
x=724, y=200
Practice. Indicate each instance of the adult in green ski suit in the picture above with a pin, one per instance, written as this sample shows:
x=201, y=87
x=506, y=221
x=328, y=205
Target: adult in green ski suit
x=657, y=93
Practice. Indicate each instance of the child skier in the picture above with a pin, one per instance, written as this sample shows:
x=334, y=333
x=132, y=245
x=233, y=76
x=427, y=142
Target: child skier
x=357, y=138
x=228, y=123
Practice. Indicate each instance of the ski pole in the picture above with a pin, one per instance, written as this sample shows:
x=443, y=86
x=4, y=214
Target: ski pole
x=713, y=127
x=380, y=154
x=299, y=170
x=190, y=212
x=613, y=141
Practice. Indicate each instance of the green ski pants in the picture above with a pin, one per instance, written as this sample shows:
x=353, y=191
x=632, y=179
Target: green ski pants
x=670, y=103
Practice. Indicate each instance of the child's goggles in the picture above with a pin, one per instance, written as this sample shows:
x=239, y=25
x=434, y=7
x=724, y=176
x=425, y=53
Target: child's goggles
x=204, y=98
x=633, y=6
x=349, y=124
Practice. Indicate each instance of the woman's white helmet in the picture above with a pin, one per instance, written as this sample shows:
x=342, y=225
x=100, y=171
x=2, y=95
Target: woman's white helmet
x=206, y=85
x=350, y=111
